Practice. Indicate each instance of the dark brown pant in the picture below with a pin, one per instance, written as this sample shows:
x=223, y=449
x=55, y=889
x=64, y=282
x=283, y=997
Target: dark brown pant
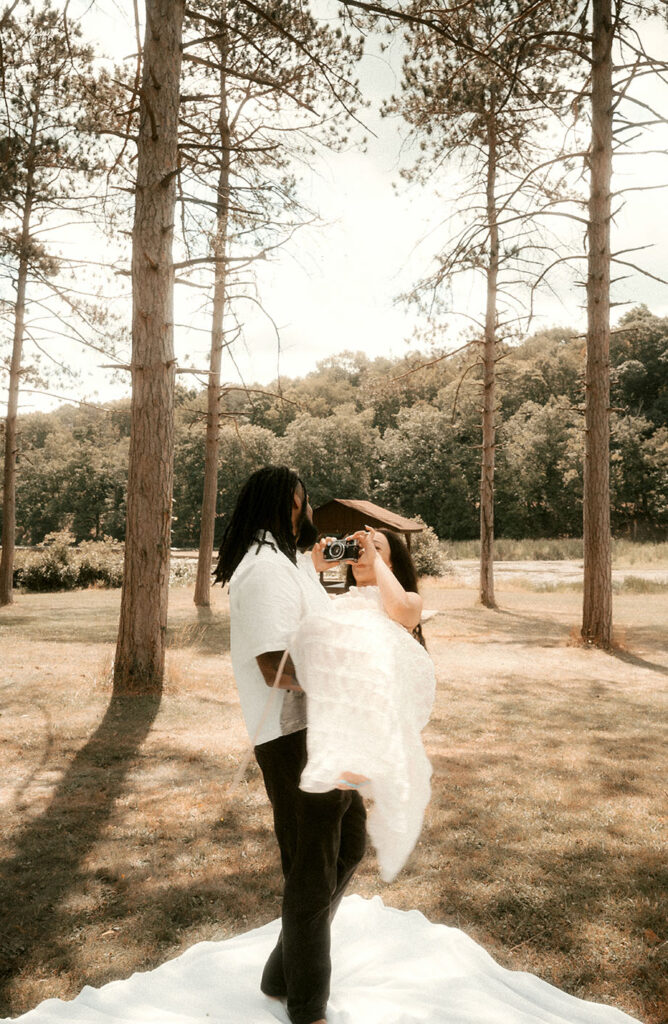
x=321, y=837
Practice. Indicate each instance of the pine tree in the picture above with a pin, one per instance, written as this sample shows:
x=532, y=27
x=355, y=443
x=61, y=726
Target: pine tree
x=140, y=651
x=618, y=118
x=261, y=85
x=480, y=82
x=597, y=600
x=50, y=151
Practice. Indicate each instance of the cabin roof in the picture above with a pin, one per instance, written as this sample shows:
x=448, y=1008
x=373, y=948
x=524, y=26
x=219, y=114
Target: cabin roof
x=377, y=512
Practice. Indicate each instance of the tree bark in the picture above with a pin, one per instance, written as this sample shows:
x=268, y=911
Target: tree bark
x=11, y=437
x=11, y=447
x=140, y=651
x=488, y=400
x=210, y=492
x=597, y=603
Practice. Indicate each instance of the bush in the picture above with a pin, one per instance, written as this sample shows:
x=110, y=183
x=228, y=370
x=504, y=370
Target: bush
x=100, y=563
x=182, y=572
x=59, y=565
x=428, y=554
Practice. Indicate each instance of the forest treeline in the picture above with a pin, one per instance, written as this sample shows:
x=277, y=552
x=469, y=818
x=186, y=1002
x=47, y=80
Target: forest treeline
x=404, y=433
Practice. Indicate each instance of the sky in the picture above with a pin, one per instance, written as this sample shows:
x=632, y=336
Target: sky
x=335, y=287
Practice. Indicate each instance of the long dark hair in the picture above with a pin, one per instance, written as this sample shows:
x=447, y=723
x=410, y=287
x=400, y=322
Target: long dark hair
x=403, y=567
x=264, y=503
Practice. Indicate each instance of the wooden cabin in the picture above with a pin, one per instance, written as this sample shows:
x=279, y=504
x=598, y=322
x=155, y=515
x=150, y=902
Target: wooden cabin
x=342, y=516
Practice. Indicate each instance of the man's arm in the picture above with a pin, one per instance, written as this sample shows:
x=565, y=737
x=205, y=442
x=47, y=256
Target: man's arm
x=268, y=664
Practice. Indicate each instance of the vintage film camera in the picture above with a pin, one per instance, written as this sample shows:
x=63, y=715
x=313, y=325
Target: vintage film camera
x=341, y=550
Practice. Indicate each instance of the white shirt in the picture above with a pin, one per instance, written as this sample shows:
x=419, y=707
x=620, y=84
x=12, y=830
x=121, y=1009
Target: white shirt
x=269, y=597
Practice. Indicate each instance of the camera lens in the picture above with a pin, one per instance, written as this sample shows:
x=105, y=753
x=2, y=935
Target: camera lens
x=336, y=550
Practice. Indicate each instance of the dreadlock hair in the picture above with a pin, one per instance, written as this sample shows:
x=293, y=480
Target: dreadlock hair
x=264, y=503
x=403, y=567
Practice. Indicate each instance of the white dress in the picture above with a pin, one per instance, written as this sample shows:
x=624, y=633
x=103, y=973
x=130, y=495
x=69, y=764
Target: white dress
x=389, y=967
x=370, y=688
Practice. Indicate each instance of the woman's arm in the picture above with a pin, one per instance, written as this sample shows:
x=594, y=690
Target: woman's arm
x=401, y=605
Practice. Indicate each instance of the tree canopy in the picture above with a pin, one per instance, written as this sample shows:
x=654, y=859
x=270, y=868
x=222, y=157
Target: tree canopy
x=409, y=444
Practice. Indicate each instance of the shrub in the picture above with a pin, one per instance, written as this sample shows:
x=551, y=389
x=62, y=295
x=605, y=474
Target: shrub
x=428, y=554
x=51, y=567
x=59, y=565
x=182, y=572
x=100, y=563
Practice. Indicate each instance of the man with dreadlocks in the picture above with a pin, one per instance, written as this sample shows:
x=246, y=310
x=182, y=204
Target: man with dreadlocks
x=321, y=836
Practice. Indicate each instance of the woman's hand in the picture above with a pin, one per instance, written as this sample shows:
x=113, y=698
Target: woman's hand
x=322, y=564
x=368, y=552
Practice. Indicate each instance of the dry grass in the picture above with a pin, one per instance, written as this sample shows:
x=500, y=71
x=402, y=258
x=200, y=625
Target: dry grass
x=542, y=840
x=624, y=552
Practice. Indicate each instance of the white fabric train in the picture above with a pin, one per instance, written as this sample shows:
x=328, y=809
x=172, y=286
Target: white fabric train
x=370, y=688
x=389, y=967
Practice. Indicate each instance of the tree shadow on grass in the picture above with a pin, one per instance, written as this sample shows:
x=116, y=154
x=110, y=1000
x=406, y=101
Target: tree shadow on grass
x=206, y=630
x=547, y=886
x=209, y=634
x=51, y=849
x=530, y=628
x=634, y=659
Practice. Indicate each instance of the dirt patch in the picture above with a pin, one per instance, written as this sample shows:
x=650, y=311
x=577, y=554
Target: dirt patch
x=542, y=841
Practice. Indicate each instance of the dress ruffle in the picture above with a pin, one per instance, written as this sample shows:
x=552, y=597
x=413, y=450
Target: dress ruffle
x=370, y=688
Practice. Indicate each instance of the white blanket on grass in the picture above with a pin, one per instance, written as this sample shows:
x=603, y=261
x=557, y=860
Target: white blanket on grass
x=370, y=689
x=389, y=967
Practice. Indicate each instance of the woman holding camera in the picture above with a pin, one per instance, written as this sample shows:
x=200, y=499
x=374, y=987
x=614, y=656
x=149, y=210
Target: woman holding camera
x=385, y=562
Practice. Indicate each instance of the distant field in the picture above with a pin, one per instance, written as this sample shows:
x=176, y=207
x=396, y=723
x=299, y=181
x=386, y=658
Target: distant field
x=624, y=552
x=543, y=839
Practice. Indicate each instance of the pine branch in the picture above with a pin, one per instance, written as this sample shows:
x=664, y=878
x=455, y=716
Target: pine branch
x=640, y=270
x=64, y=398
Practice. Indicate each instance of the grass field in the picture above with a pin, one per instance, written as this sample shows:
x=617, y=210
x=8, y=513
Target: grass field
x=543, y=840
x=624, y=552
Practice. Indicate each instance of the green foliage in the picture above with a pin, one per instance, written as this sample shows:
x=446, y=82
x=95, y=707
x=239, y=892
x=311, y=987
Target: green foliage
x=638, y=473
x=410, y=444
x=59, y=565
x=242, y=450
x=425, y=447
x=639, y=359
x=335, y=455
x=100, y=563
x=539, y=473
x=546, y=364
x=72, y=467
x=428, y=554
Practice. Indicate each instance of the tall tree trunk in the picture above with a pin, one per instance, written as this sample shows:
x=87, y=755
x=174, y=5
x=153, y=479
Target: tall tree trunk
x=140, y=652
x=9, y=472
x=488, y=400
x=597, y=605
x=210, y=493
